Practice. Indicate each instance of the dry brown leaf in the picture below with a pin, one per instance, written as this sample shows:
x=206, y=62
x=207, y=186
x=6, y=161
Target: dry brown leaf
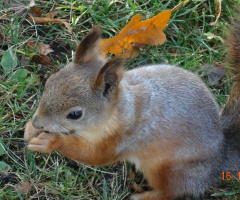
x=149, y=32
x=35, y=12
x=42, y=49
x=43, y=60
x=35, y=15
x=44, y=20
x=23, y=187
x=52, y=14
x=218, y=10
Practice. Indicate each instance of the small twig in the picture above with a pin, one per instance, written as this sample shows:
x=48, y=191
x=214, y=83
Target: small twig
x=180, y=5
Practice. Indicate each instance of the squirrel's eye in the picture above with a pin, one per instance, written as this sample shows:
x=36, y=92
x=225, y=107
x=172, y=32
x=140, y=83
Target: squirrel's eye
x=75, y=114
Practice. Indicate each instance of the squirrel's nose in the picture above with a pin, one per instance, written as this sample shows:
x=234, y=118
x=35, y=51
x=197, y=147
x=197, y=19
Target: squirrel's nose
x=35, y=123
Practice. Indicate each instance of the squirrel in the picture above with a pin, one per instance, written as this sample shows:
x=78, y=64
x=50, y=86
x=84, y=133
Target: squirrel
x=159, y=117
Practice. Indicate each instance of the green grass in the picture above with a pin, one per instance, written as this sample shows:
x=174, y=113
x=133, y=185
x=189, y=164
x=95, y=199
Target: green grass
x=56, y=177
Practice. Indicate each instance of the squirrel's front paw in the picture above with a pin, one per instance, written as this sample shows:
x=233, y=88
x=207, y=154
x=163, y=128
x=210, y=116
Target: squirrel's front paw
x=44, y=143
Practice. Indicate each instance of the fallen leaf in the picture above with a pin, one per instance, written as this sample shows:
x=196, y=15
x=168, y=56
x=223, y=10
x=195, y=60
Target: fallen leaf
x=43, y=60
x=19, y=75
x=3, y=166
x=52, y=14
x=218, y=10
x=44, y=20
x=23, y=187
x=42, y=49
x=35, y=12
x=9, y=60
x=149, y=32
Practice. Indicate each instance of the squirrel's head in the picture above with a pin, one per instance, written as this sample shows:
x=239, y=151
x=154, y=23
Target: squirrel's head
x=83, y=93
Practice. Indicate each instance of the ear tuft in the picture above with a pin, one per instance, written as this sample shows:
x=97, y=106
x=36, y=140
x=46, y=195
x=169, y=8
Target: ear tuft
x=88, y=49
x=109, y=75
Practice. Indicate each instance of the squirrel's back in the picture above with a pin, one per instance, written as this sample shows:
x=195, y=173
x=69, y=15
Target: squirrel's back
x=175, y=128
x=176, y=96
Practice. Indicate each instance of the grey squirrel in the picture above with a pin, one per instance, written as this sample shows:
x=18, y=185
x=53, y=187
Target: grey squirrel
x=160, y=117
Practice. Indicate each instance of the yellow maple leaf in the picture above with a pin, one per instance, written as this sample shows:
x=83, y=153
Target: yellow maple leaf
x=149, y=32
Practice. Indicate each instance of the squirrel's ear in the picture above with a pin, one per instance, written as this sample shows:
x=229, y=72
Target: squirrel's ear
x=88, y=49
x=109, y=76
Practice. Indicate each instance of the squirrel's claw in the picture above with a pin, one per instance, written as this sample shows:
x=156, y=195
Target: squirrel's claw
x=43, y=143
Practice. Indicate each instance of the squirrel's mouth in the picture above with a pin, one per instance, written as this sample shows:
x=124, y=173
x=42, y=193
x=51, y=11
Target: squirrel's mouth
x=55, y=128
x=55, y=133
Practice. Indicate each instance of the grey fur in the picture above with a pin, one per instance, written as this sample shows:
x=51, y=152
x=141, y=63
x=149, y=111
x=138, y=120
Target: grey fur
x=184, y=109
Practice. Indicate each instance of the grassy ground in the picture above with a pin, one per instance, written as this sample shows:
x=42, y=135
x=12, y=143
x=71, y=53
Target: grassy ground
x=53, y=176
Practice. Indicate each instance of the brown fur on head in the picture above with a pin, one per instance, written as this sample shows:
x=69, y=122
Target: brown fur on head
x=88, y=86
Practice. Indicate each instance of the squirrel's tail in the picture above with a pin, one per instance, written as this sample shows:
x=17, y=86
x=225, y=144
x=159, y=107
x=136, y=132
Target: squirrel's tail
x=230, y=116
